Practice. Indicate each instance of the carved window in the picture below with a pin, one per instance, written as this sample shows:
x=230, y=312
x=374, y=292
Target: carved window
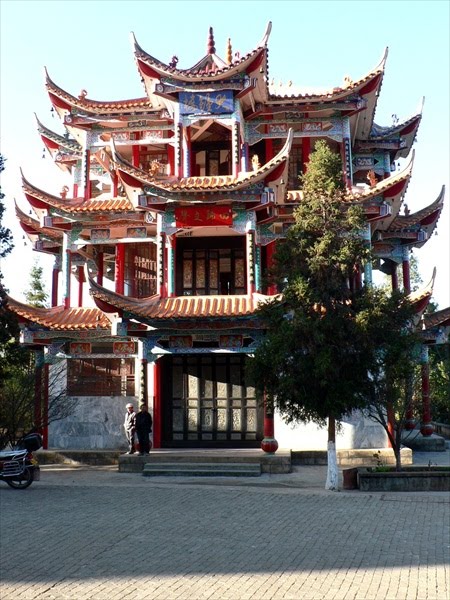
x=140, y=270
x=100, y=377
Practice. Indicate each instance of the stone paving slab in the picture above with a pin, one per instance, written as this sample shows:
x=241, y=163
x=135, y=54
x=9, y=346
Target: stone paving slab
x=94, y=533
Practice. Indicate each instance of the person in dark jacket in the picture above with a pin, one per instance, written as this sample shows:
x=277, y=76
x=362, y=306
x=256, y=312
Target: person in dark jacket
x=143, y=429
x=130, y=427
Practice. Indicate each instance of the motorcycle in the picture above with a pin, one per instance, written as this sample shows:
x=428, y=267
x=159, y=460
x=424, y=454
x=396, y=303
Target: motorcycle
x=18, y=467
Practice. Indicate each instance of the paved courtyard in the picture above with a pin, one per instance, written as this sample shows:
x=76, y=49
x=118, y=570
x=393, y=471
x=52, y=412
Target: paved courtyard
x=84, y=533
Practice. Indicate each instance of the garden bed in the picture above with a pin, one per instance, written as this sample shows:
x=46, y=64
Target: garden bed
x=409, y=479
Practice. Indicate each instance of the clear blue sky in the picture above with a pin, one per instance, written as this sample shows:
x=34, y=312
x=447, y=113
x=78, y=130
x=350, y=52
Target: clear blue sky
x=86, y=45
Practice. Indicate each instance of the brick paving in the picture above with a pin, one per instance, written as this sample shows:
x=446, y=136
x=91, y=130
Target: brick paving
x=94, y=533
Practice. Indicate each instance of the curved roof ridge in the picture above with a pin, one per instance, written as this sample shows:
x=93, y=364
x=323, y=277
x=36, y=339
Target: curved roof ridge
x=178, y=307
x=59, y=317
x=213, y=182
x=163, y=69
x=384, y=184
x=77, y=205
x=383, y=130
x=69, y=144
x=349, y=87
x=87, y=104
x=413, y=218
x=27, y=222
x=424, y=291
x=31, y=188
x=437, y=318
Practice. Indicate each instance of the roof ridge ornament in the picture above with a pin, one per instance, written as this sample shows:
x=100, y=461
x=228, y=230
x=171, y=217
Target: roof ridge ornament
x=266, y=35
x=210, y=48
x=382, y=63
x=229, y=53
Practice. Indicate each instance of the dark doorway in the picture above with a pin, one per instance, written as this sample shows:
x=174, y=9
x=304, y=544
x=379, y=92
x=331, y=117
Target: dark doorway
x=206, y=403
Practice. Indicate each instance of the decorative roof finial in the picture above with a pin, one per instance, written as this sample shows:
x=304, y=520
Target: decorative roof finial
x=211, y=49
x=229, y=53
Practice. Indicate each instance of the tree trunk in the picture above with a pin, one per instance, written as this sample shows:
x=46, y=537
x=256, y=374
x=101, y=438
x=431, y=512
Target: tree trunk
x=397, y=447
x=332, y=469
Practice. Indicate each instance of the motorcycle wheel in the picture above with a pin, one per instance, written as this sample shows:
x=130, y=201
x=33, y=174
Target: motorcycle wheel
x=20, y=482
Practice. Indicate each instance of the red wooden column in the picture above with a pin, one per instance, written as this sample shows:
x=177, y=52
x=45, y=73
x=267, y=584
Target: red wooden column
x=269, y=443
x=306, y=151
x=119, y=275
x=136, y=156
x=157, y=405
x=55, y=283
x=81, y=280
x=406, y=271
x=426, y=427
x=100, y=268
x=115, y=181
x=171, y=158
x=270, y=250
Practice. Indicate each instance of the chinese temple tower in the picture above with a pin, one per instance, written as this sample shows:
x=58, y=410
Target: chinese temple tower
x=162, y=237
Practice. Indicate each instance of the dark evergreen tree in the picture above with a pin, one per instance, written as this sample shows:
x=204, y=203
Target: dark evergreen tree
x=318, y=352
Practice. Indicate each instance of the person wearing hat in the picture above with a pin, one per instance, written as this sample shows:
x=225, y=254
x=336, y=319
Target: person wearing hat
x=130, y=427
x=143, y=428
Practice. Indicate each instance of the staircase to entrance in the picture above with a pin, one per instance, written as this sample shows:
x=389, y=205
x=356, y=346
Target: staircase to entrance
x=209, y=462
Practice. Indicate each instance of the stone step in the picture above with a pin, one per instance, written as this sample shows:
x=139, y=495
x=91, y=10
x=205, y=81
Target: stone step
x=202, y=469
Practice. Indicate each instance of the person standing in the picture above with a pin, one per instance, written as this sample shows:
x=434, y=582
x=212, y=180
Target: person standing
x=143, y=428
x=130, y=427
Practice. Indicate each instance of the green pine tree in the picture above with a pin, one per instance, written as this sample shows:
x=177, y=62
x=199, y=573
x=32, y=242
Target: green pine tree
x=318, y=351
x=36, y=295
